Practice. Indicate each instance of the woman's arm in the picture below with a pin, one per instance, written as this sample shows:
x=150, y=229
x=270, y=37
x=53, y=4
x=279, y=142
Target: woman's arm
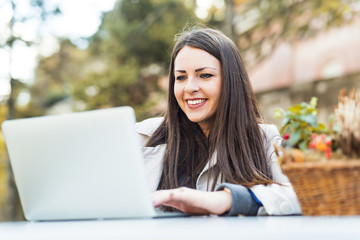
x=194, y=201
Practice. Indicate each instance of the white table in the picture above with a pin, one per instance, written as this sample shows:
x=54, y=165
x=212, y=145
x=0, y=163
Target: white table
x=269, y=228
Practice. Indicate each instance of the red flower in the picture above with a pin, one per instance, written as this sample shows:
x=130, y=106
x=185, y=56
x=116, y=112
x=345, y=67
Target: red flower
x=313, y=136
x=328, y=153
x=286, y=136
x=312, y=145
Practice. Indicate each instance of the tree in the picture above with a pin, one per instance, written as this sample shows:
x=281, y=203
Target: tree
x=11, y=40
x=3, y=164
x=260, y=26
x=278, y=21
x=122, y=64
x=131, y=51
x=55, y=76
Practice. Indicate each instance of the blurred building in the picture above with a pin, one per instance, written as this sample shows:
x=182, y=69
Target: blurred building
x=331, y=54
x=319, y=66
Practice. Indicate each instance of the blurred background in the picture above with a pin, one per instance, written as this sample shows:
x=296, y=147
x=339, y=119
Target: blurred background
x=59, y=56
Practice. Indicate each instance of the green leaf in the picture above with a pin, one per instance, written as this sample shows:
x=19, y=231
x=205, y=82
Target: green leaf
x=285, y=121
x=295, y=125
x=310, y=119
x=313, y=101
x=295, y=109
x=307, y=131
x=304, y=105
x=283, y=129
x=294, y=138
x=322, y=126
x=303, y=145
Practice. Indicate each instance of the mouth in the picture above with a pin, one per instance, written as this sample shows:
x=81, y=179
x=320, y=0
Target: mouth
x=194, y=103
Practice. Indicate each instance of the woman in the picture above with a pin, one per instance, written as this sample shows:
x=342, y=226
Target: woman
x=210, y=154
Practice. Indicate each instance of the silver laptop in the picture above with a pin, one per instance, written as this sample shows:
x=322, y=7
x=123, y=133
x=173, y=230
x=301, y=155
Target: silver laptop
x=85, y=165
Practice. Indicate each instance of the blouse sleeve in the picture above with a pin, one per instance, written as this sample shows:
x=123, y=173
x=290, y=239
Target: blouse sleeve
x=278, y=198
x=242, y=201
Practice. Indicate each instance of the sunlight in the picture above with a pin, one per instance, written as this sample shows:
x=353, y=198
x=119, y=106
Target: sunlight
x=73, y=23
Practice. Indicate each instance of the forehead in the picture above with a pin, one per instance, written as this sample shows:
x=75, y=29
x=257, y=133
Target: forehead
x=190, y=57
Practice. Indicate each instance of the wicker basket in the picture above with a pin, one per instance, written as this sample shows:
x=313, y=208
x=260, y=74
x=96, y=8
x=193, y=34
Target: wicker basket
x=326, y=188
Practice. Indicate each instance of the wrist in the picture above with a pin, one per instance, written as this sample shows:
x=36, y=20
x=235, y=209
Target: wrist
x=227, y=200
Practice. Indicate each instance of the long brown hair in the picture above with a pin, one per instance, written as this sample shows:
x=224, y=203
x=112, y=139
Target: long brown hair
x=235, y=135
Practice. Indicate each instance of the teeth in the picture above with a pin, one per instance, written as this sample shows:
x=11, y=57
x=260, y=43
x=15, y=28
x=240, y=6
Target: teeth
x=193, y=102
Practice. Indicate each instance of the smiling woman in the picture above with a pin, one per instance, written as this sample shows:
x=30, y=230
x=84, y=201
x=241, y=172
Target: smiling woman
x=197, y=85
x=211, y=154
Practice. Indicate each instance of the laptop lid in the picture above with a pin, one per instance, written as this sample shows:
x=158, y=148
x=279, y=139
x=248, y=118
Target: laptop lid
x=81, y=165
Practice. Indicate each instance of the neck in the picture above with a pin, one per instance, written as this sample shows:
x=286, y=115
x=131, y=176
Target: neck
x=205, y=128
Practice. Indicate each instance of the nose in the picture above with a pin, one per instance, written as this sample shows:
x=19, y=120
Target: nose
x=191, y=85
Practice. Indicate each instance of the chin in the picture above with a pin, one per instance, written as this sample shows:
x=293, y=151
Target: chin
x=195, y=119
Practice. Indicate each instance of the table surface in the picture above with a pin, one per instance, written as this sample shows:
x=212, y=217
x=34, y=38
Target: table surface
x=206, y=227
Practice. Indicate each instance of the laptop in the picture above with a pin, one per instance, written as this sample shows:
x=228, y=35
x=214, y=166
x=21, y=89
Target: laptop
x=85, y=165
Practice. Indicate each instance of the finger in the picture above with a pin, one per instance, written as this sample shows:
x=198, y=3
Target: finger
x=168, y=194
x=188, y=196
x=173, y=197
x=162, y=196
x=185, y=206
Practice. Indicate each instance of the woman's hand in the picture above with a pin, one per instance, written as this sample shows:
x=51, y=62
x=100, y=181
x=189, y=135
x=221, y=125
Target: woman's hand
x=194, y=201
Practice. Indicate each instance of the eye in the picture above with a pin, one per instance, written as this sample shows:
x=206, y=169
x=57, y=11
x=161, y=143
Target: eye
x=181, y=78
x=206, y=75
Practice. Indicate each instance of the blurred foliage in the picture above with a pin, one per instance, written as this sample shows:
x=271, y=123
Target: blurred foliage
x=130, y=52
x=3, y=162
x=261, y=25
x=56, y=75
x=40, y=12
x=9, y=201
x=122, y=64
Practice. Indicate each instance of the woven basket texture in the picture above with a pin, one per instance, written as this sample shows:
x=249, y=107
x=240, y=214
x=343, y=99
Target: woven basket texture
x=326, y=188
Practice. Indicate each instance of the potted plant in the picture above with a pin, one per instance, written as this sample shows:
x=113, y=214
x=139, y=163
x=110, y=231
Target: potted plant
x=322, y=162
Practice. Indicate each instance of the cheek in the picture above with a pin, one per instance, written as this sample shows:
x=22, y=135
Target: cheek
x=216, y=93
x=178, y=92
x=217, y=89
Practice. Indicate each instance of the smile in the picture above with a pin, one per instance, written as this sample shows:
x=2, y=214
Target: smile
x=195, y=102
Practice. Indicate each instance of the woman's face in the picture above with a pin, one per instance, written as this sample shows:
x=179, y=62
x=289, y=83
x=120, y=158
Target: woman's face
x=197, y=85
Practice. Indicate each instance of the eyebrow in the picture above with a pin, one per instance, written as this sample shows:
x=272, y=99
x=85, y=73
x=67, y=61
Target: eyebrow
x=196, y=70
